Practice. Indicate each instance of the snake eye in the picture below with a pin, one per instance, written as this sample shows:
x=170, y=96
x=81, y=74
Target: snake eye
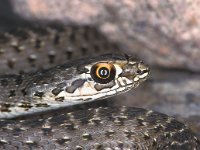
x=103, y=72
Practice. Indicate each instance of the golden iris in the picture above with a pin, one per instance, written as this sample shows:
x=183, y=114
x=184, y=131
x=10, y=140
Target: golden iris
x=103, y=72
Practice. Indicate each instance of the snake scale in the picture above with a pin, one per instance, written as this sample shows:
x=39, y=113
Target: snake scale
x=30, y=117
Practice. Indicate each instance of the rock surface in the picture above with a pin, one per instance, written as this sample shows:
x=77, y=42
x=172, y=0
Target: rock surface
x=165, y=34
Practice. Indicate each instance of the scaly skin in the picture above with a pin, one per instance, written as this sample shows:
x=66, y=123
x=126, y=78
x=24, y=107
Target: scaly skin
x=98, y=128
x=75, y=82
x=95, y=128
x=33, y=48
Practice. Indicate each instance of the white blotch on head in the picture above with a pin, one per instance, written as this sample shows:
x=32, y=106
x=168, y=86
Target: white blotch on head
x=144, y=75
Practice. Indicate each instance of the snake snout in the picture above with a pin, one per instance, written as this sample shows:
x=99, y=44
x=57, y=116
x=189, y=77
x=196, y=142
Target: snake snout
x=142, y=70
x=135, y=71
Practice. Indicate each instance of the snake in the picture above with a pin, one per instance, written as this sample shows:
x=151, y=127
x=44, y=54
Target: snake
x=36, y=92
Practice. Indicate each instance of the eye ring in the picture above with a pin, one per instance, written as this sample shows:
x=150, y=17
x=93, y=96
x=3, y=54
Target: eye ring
x=103, y=72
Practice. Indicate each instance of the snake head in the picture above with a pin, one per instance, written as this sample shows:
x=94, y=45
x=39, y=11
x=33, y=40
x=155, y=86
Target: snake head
x=111, y=74
x=95, y=78
x=79, y=81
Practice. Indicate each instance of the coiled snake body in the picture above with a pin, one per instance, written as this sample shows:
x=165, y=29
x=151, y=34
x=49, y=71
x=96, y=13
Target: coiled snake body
x=27, y=98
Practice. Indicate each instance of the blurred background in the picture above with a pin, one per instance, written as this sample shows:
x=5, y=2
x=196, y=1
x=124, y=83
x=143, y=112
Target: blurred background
x=164, y=34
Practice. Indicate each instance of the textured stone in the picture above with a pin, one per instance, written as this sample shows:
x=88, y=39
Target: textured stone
x=164, y=33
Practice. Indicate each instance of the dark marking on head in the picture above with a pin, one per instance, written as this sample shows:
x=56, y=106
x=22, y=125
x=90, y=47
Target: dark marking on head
x=75, y=84
x=81, y=70
x=61, y=99
x=78, y=83
x=70, y=89
x=61, y=85
x=90, y=79
x=99, y=87
x=56, y=91
x=39, y=94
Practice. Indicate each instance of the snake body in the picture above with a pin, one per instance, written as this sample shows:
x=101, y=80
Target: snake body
x=64, y=85
x=98, y=129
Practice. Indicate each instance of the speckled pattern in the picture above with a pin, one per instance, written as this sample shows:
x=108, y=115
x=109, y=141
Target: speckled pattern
x=69, y=84
x=98, y=128
x=31, y=48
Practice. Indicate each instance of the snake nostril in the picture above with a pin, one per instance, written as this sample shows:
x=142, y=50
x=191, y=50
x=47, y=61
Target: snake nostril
x=139, y=72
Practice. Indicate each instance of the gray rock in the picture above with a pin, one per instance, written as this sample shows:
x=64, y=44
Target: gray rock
x=164, y=33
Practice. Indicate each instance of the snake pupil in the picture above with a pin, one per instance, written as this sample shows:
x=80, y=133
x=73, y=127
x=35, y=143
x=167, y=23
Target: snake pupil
x=103, y=73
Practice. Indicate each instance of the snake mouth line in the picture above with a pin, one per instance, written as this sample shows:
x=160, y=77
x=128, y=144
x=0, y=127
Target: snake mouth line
x=107, y=95
x=15, y=111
